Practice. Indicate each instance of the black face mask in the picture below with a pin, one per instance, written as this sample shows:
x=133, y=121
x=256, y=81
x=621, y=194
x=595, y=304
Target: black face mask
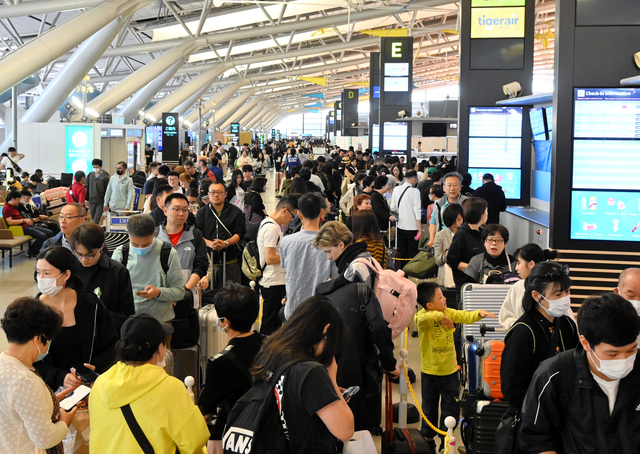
x=120, y=172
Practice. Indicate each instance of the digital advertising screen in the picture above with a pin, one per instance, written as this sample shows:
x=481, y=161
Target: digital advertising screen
x=536, y=118
x=79, y=147
x=606, y=124
x=509, y=179
x=396, y=69
x=495, y=122
x=395, y=136
x=497, y=22
x=396, y=84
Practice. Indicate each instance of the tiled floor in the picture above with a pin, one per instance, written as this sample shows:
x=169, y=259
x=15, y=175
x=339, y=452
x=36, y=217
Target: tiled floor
x=18, y=281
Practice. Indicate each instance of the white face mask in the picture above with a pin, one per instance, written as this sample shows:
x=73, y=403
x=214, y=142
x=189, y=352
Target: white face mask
x=559, y=307
x=615, y=369
x=47, y=286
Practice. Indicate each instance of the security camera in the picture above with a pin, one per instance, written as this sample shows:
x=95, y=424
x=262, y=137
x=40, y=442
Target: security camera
x=146, y=122
x=512, y=90
x=402, y=113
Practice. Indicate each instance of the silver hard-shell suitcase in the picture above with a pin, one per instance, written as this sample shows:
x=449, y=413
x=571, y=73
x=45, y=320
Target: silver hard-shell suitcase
x=488, y=297
x=212, y=338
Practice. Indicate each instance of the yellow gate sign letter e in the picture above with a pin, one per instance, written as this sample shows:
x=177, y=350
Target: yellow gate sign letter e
x=497, y=22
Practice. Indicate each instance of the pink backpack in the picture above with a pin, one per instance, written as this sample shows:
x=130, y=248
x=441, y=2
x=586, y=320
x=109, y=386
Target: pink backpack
x=397, y=296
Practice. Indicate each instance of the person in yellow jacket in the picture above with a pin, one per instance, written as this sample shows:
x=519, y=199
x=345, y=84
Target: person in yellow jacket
x=439, y=367
x=139, y=386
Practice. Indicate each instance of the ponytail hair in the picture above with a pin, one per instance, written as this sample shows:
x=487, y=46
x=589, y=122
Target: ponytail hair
x=533, y=252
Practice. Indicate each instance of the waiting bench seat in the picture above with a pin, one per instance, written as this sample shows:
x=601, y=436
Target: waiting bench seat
x=8, y=241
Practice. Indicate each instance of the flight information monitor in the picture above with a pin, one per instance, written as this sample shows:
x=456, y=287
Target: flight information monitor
x=606, y=133
x=536, y=117
x=495, y=122
x=395, y=136
x=548, y=112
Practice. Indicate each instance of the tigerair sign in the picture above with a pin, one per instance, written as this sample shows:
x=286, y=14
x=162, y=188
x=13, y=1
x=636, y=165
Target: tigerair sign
x=497, y=22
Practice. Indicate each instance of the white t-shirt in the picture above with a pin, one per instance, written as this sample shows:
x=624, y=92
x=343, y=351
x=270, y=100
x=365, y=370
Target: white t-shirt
x=7, y=164
x=610, y=388
x=270, y=235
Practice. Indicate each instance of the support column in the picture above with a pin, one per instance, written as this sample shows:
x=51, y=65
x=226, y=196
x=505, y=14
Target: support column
x=374, y=101
x=14, y=115
x=136, y=80
x=139, y=101
x=53, y=44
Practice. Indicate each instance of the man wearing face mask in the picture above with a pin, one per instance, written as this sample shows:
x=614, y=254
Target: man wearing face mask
x=543, y=331
x=155, y=290
x=138, y=391
x=587, y=400
x=97, y=182
x=119, y=193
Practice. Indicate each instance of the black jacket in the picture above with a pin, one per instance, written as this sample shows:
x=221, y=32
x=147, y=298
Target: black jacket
x=381, y=209
x=368, y=343
x=495, y=198
x=582, y=425
x=110, y=281
x=528, y=343
x=232, y=218
x=96, y=335
x=466, y=244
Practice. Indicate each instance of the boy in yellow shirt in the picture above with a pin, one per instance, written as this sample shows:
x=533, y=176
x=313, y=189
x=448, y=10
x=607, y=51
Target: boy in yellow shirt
x=439, y=367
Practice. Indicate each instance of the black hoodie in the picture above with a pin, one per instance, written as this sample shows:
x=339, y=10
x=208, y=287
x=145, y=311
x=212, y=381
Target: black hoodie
x=466, y=244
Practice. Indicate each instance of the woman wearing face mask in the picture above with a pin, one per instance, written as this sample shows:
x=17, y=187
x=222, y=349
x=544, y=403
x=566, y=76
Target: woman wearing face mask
x=31, y=420
x=542, y=332
x=526, y=258
x=87, y=335
x=138, y=388
x=301, y=358
x=227, y=376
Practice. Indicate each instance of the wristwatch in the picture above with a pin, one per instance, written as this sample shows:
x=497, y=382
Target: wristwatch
x=226, y=243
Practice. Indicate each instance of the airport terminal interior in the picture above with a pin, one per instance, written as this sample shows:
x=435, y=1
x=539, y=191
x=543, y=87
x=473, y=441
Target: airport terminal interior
x=534, y=105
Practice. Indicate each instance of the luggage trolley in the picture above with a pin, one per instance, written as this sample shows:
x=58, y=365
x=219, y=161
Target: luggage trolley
x=117, y=220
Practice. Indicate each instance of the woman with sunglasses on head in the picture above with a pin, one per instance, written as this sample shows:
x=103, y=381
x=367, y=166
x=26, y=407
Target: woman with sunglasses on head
x=542, y=332
x=300, y=360
x=227, y=375
x=87, y=336
x=31, y=420
x=104, y=277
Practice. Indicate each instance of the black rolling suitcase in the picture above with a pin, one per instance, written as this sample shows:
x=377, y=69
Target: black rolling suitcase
x=479, y=431
x=400, y=440
x=186, y=362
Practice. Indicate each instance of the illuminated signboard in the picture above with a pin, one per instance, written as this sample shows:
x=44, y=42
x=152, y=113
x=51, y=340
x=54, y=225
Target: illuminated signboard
x=494, y=3
x=170, y=138
x=497, y=22
x=79, y=148
x=235, y=128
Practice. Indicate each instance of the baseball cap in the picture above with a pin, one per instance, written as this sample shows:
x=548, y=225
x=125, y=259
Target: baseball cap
x=144, y=330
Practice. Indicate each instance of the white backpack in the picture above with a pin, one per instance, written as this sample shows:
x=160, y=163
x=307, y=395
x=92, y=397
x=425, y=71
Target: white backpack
x=397, y=296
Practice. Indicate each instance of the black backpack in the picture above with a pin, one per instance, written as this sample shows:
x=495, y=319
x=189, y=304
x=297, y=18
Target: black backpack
x=255, y=425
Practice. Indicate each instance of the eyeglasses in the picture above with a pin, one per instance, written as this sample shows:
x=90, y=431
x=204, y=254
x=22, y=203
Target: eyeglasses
x=292, y=215
x=494, y=240
x=68, y=218
x=85, y=256
x=179, y=210
x=216, y=192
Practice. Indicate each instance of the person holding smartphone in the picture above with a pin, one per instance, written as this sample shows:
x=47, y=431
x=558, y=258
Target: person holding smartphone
x=87, y=335
x=30, y=415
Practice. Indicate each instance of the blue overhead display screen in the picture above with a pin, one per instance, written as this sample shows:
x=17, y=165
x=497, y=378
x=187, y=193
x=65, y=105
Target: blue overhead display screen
x=606, y=124
x=495, y=143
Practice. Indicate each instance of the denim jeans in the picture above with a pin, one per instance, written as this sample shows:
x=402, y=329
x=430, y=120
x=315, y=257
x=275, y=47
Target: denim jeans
x=39, y=235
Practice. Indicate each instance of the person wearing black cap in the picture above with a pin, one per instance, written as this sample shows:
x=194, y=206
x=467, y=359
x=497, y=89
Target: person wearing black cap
x=137, y=390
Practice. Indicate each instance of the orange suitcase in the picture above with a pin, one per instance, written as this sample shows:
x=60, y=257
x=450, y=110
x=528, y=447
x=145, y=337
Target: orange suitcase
x=490, y=369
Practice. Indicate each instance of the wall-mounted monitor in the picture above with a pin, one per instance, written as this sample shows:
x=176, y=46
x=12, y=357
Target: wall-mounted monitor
x=434, y=129
x=536, y=118
x=395, y=136
x=606, y=121
x=548, y=113
x=104, y=133
x=509, y=179
x=495, y=122
x=499, y=151
x=375, y=138
x=398, y=84
x=134, y=132
x=396, y=69
x=116, y=132
x=376, y=92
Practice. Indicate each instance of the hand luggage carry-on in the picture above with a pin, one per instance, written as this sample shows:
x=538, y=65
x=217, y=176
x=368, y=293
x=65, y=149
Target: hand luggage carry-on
x=392, y=260
x=469, y=378
x=486, y=421
x=212, y=338
x=186, y=363
x=488, y=297
x=400, y=440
